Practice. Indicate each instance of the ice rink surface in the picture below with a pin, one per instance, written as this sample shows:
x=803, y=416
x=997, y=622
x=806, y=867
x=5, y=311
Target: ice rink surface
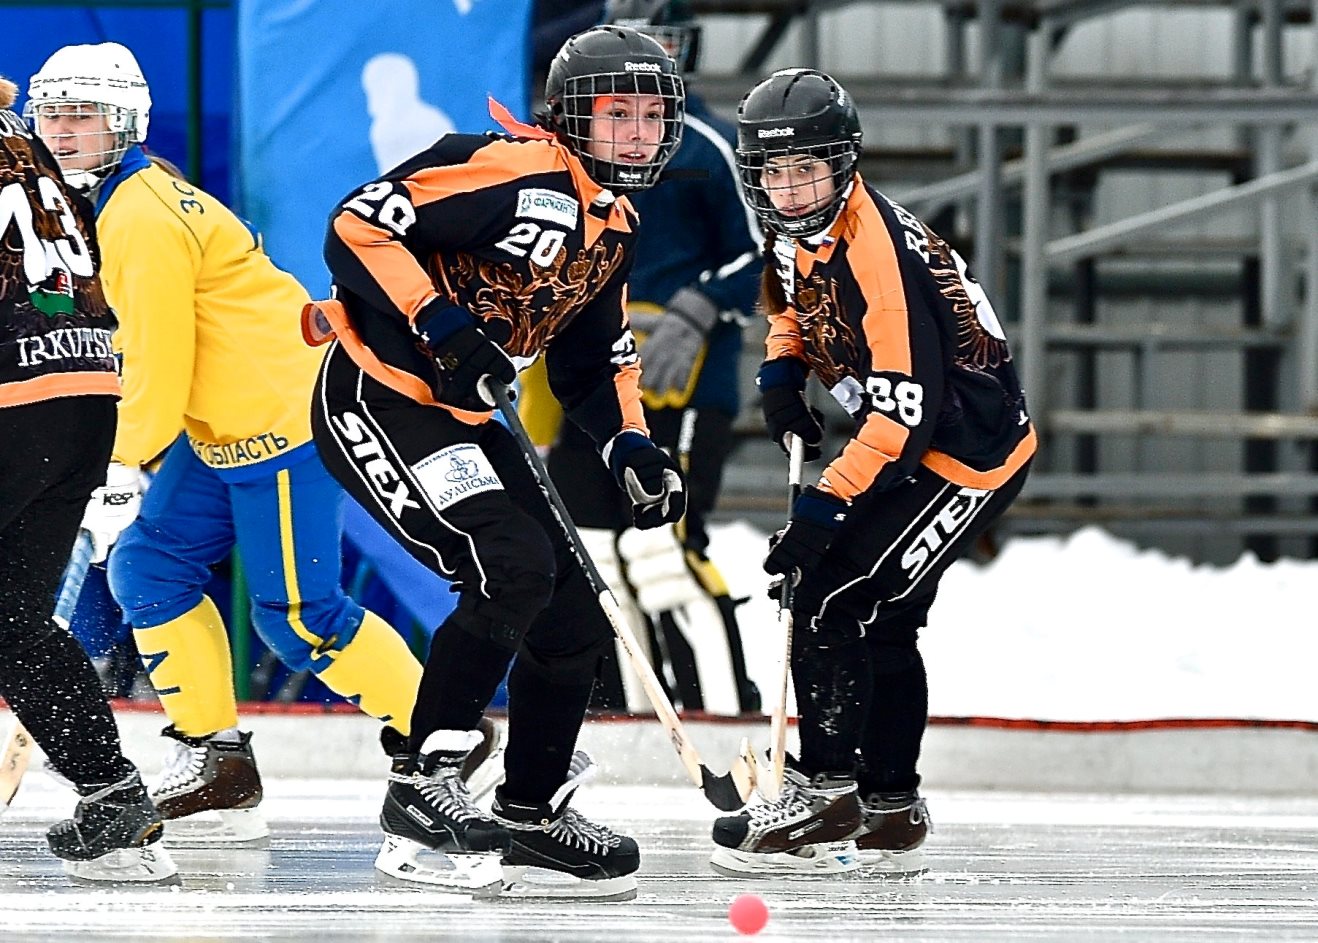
x=1003, y=867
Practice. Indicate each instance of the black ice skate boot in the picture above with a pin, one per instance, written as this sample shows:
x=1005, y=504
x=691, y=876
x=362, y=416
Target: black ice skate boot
x=114, y=836
x=558, y=852
x=483, y=768
x=806, y=830
x=428, y=809
x=892, y=830
x=211, y=787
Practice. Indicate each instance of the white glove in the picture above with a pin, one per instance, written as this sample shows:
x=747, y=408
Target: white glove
x=113, y=506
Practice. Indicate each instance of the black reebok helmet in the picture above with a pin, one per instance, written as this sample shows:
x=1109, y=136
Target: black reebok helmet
x=668, y=21
x=605, y=62
x=796, y=113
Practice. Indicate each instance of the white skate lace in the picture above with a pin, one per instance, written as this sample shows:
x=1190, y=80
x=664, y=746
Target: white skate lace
x=182, y=769
x=98, y=795
x=444, y=790
x=788, y=805
x=573, y=828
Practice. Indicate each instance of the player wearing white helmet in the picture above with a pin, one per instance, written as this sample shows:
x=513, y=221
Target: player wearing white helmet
x=211, y=349
x=93, y=104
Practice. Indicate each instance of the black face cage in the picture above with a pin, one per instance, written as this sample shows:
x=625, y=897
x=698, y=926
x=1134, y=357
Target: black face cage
x=577, y=110
x=841, y=156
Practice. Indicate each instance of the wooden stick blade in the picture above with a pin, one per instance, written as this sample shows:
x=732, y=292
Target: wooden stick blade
x=13, y=763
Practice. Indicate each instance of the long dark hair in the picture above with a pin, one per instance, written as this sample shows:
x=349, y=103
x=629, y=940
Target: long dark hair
x=772, y=294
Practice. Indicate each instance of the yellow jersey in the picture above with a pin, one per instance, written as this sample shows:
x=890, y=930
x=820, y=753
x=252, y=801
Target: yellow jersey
x=209, y=328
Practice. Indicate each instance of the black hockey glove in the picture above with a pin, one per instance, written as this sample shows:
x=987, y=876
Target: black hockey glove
x=464, y=356
x=798, y=547
x=651, y=479
x=782, y=388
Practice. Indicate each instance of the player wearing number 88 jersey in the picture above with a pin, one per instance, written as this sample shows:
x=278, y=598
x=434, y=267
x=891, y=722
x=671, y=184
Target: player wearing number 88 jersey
x=865, y=297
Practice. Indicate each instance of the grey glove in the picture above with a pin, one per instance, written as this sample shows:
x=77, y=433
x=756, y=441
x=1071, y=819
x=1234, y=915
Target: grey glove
x=669, y=353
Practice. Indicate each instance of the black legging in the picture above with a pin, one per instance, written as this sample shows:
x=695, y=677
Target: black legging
x=55, y=453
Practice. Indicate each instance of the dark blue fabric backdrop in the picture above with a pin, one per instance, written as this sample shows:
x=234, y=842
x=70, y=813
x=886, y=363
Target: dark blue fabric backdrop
x=159, y=39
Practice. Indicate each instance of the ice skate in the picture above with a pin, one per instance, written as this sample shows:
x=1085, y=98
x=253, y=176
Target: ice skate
x=434, y=834
x=806, y=830
x=210, y=790
x=114, y=836
x=559, y=853
x=892, y=830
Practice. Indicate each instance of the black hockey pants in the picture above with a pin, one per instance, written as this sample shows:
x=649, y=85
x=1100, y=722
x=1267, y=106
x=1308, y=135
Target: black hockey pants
x=463, y=501
x=55, y=453
x=859, y=678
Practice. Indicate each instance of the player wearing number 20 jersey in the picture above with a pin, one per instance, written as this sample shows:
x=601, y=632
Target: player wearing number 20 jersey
x=452, y=271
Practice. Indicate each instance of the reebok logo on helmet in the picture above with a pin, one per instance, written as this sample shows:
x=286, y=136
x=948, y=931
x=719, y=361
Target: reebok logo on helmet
x=775, y=133
x=642, y=67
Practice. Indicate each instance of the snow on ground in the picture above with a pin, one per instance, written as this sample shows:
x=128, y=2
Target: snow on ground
x=1088, y=627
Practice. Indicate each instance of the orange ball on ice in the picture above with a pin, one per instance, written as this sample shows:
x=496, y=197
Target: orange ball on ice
x=748, y=914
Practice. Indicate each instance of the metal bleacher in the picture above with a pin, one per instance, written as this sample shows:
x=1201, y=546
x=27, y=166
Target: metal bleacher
x=1169, y=345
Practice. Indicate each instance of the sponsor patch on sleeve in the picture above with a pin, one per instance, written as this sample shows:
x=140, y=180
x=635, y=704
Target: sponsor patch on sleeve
x=548, y=205
x=454, y=473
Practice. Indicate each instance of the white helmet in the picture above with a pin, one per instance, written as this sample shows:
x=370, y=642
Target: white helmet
x=106, y=75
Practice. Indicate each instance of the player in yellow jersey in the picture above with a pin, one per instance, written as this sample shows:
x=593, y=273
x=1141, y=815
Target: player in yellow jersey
x=211, y=345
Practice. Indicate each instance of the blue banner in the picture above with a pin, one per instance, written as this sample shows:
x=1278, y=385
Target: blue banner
x=159, y=38
x=334, y=92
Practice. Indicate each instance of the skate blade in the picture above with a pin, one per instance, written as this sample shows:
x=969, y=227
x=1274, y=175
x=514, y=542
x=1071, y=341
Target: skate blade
x=520, y=881
x=830, y=858
x=478, y=874
x=219, y=828
x=149, y=865
x=897, y=864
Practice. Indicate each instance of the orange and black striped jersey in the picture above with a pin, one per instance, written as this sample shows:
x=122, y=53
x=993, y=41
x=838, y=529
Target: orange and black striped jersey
x=55, y=325
x=885, y=315
x=513, y=230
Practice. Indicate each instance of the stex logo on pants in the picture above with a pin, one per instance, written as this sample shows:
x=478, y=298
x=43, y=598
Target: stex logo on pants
x=950, y=520
x=369, y=456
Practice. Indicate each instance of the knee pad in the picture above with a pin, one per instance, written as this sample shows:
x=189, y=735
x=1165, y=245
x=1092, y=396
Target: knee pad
x=582, y=665
x=656, y=566
x=151, y=585
x=301, y=635
x=515, y=562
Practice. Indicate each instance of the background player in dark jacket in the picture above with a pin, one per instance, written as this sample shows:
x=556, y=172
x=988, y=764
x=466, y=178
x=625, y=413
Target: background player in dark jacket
x=872, y=302
x=58, y=390
x=462, y=264
x=692, y=288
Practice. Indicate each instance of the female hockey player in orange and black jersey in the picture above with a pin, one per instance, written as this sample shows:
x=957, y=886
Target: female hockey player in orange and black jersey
x=883, y=312
x=451, y=271
x=58, y=391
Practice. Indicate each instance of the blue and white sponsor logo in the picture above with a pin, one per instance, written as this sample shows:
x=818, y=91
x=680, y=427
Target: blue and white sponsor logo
x=454, y=473
x=548, y=205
